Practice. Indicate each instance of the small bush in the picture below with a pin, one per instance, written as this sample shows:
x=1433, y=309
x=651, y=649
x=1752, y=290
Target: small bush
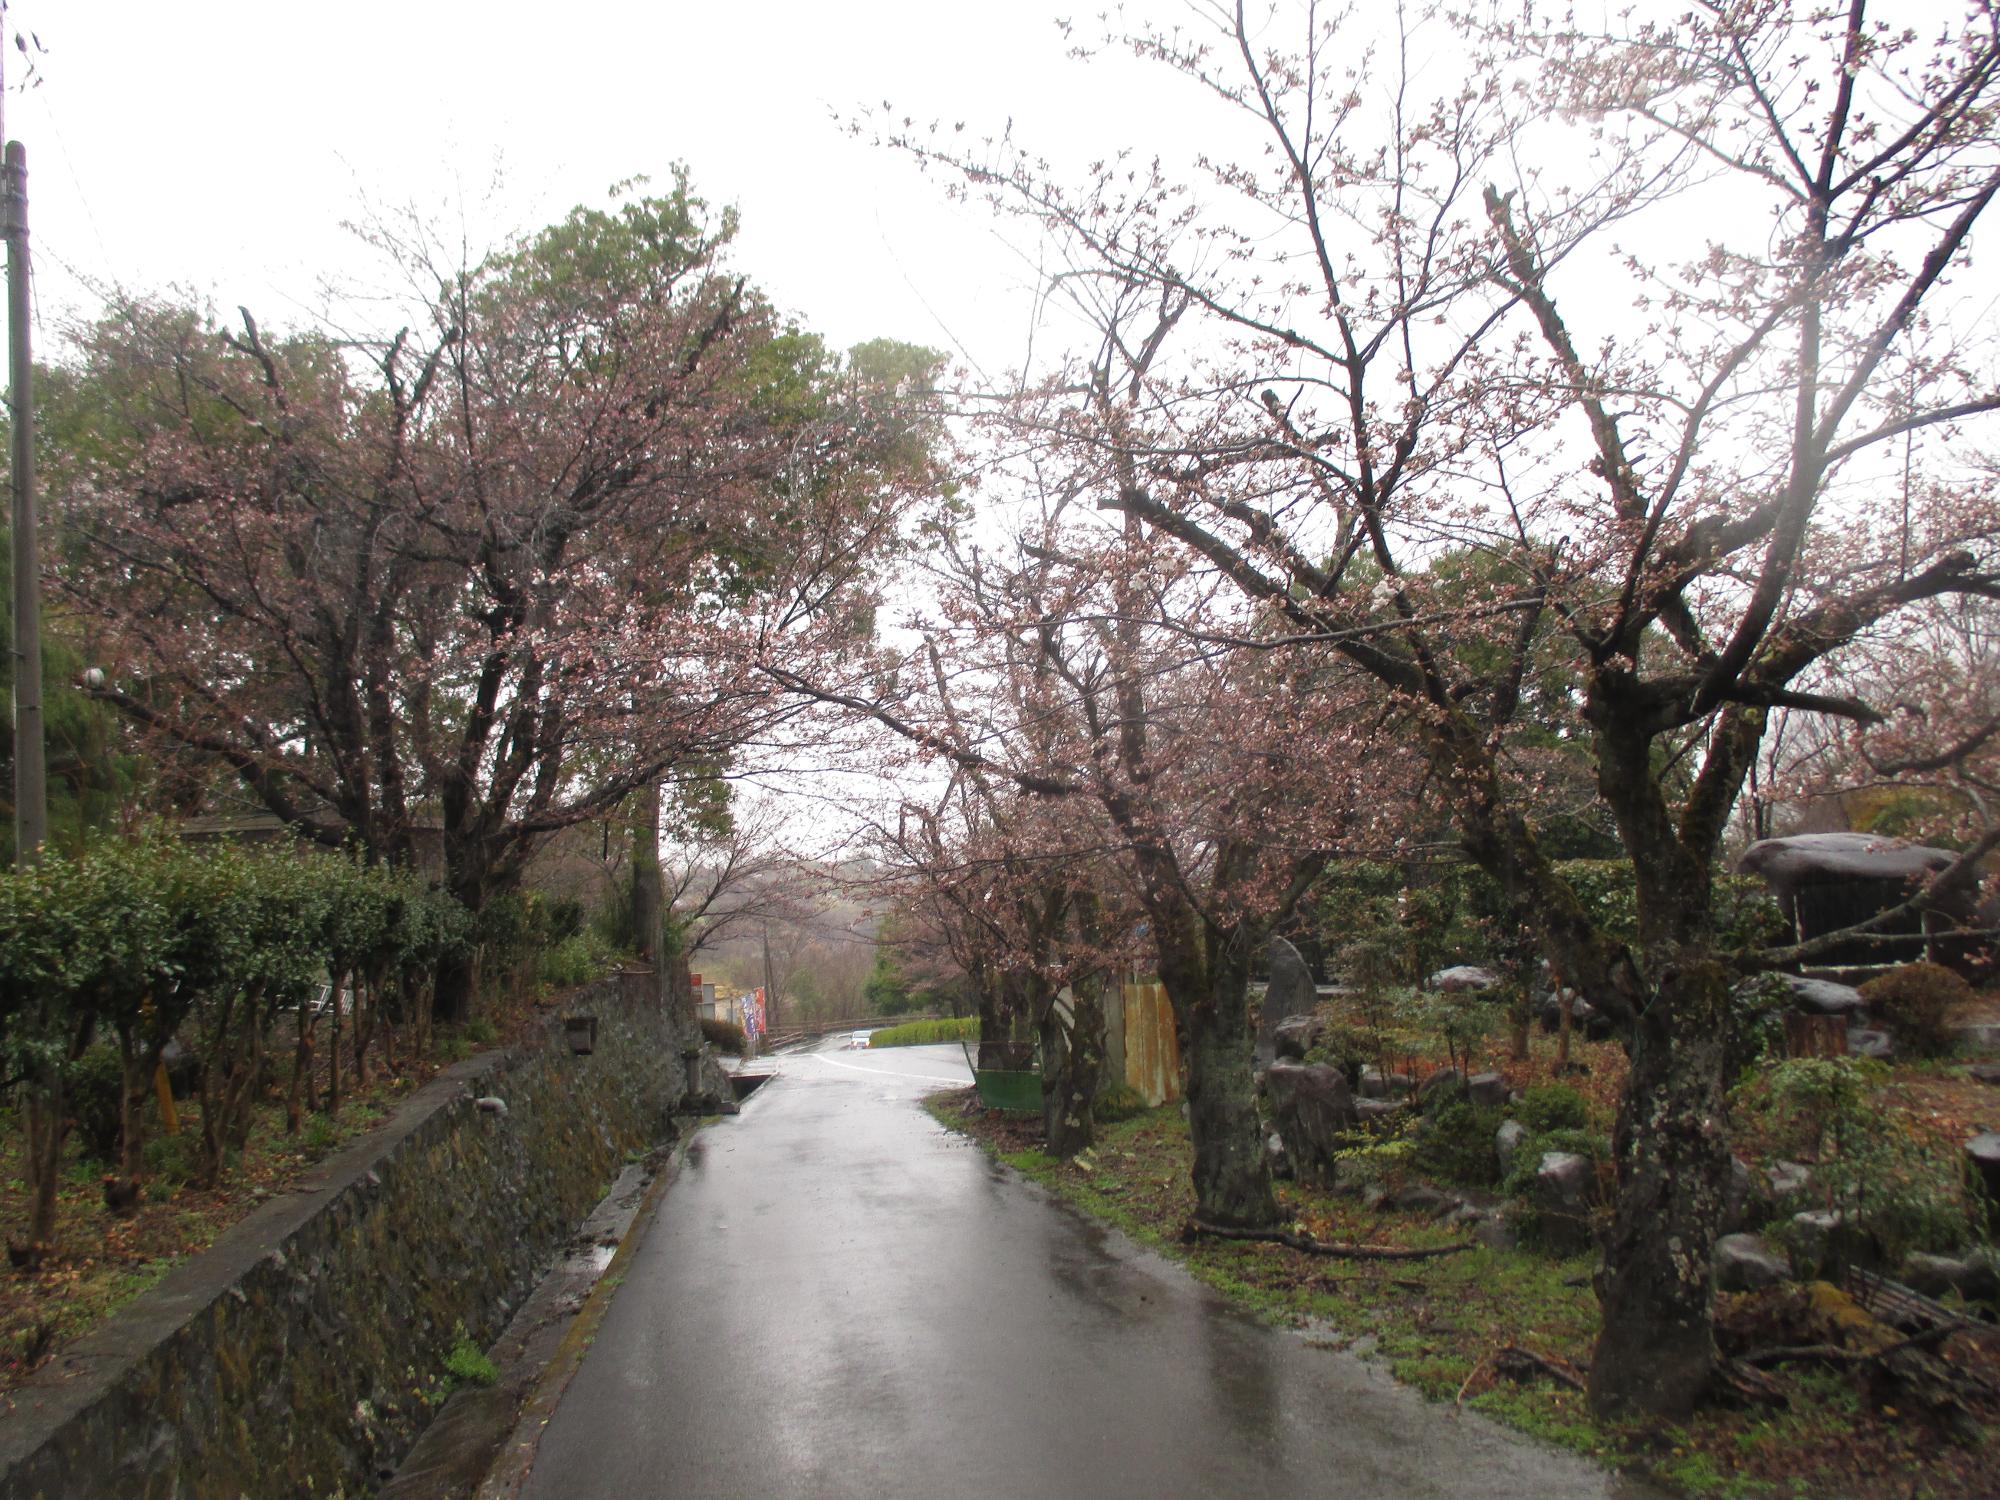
x=577, y=959
x=1914, y=1003
x=320, y=1134
x=467, y=1364
x=924, y=1033
x=1118, y=1101
x=91, y=1086
x=1455, y=1144
x=1347, y=1047
x=481, y=1032
x=724, y=1036
x=1757, y=1012
x=171, y=1158
x=1550, y=1106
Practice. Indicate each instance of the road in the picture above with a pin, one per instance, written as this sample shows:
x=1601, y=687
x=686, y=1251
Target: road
x=839, y=1298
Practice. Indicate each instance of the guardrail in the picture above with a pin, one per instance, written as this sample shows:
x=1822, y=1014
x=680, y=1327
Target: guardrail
x=813, y=1031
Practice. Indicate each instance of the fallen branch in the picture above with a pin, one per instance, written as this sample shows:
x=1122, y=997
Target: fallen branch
x=1832, y=1354
x=1306, y=1244
x=1517, y=1363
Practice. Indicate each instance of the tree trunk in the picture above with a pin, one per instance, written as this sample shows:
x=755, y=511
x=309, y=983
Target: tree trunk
x=457, y=983
x=47, y=1128
x=1656, y=1349
x=1072, y=1068
x=649, y=893
x=1232, y=1175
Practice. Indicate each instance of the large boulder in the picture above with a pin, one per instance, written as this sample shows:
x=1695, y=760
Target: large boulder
x=1289, y=993
x=1748, y=1263
x=1486, y=1090
x=1977, y=1037
x=1294, y=1036
x=1864, y=1042
x=1565, y=1195
x=1375, y=1084
x=1746, y=1201
x=1822, y=997
x=1463, y=979
x=1971, y=1277
x=1312, y=1107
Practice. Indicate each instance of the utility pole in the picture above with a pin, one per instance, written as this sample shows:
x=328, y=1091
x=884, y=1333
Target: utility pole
x=31, y=805
x=770, y=983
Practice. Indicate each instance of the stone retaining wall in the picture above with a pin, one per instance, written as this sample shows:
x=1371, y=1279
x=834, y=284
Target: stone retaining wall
x=296, y=1356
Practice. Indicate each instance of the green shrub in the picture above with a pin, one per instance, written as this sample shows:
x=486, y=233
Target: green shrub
x=1118, y=1101
x=724, y=1036
x=91, y=1087
x=1914, y=1004
x=171, y=1158
x=481, y=1032
x=1757, y=1011
x=576, y=959
x=1454, y=1143
x=1347, y=1047
x=924, y=1033
x=1550, y=1106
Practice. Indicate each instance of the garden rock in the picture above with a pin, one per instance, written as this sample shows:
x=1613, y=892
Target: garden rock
x=1988, y=1072
x=1379, y=1113
x=1312, y=1108
x=1748, y=1263
x=1288, y=996
x=1486, y=1090
x=1507, y=1143
x=1582, y=1012
x=1977, y=1036
x=1863, y=1042
x=1822, y=997
x=1294, y=1036
x=1788, y=1179
x=1973, y=1278
x=1376, y=1084
x=1824, y=1244
x=1565, y=1190
x=1497, y=1233
x=1743, y=1204
x=1463, y=979
x=1279, y=1158
x=1984, y=1151
x=1422, y=1198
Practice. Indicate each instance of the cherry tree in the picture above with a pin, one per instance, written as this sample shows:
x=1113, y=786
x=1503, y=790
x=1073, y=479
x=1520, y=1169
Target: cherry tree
x=1102, y=671
x=488, y=578
x=1663, y=316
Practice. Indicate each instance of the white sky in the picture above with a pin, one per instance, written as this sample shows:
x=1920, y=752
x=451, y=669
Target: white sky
x=219, y=145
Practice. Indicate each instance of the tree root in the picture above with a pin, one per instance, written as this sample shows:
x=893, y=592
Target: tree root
x=1197, y=1228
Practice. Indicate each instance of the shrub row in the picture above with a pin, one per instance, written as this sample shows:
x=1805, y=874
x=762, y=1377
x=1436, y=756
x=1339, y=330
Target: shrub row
x=920, y=1033
x=136, y=945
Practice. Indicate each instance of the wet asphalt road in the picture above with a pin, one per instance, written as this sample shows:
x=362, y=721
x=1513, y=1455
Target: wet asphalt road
x=838, y=1298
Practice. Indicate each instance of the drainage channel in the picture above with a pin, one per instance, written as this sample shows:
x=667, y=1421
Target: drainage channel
x=464, y=1441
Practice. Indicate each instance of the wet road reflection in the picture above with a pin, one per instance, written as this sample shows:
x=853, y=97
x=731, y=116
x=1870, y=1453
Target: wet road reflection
x=841, y=1299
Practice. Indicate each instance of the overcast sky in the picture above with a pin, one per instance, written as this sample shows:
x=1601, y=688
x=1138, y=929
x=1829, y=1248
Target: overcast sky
x=220, y=145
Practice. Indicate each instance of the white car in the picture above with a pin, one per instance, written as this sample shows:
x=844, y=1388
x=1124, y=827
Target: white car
x=858, y=1039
